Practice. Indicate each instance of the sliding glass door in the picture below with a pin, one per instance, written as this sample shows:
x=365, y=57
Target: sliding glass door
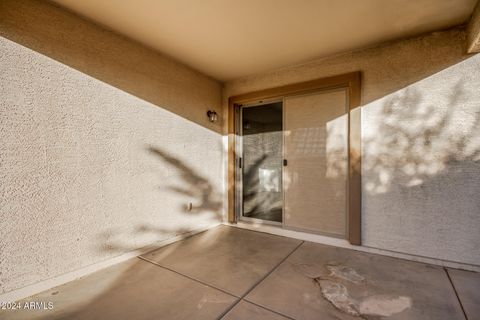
x=293, y=162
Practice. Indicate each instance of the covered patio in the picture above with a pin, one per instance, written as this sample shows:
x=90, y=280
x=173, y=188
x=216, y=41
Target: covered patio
x=226, y=159
x=208, y=276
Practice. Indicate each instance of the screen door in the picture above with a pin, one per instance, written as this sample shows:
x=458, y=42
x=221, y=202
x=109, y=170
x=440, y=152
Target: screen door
x=316, y=150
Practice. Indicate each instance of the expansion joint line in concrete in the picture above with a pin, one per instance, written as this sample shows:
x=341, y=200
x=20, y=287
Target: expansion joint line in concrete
x=456, y=293
x=258, y=282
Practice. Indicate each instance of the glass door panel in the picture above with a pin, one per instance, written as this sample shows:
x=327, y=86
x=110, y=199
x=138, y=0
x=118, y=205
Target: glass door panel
x=262, y=156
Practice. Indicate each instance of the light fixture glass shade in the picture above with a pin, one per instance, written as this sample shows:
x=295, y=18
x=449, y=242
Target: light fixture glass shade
x=212, y=116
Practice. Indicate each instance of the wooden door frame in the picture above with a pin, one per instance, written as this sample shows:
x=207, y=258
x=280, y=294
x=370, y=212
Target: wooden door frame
x=351, y=81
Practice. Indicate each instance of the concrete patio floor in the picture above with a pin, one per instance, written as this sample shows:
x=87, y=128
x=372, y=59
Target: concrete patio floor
x=231, y=273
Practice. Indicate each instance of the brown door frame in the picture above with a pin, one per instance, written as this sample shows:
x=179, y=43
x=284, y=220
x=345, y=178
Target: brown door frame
x=354, y=189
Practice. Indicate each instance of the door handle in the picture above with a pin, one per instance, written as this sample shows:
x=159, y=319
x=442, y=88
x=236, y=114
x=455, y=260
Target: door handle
x=285, y=162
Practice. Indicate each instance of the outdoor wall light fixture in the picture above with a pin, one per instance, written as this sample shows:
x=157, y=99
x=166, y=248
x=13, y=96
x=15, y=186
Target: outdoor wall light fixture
x=212, y=116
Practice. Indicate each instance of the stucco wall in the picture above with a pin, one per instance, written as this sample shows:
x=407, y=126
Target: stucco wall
x=103, y=143
x=420, y=141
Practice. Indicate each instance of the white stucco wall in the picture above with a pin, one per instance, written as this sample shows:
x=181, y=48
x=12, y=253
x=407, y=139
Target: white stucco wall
x=80, y=108
x=420, y=141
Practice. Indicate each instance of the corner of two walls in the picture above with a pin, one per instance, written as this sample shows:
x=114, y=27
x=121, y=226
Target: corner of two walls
x=420, y=141
x=103, y=145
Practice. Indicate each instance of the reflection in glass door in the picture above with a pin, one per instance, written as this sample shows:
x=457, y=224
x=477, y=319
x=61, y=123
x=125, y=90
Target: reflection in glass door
x=261, y=162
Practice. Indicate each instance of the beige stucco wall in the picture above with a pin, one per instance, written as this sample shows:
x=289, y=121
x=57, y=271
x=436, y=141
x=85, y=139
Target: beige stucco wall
x=80, y=109
x=420, y=141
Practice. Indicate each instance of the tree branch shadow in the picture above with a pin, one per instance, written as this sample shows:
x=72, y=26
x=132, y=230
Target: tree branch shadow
x=415, y=140
x=204, y=194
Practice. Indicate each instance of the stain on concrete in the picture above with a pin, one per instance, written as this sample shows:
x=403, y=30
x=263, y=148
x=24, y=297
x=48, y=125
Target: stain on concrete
x=384, y=305
x=345, y=273
x=334, y=289
x=337, y=294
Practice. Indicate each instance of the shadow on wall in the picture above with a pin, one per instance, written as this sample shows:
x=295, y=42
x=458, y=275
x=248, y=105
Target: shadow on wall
x=205, y=199
x=421, y=169
x=413, y=139
x=203, y=195
x=416, y=139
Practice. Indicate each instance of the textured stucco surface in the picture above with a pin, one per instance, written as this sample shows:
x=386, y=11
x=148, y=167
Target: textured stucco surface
x=103, y=143
x=473, y=31
x=420, y=141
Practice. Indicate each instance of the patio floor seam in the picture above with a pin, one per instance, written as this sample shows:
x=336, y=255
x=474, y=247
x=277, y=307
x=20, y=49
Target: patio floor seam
x=189, y=277
x=456, y=293
x=271, y=310
x=260, y=281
